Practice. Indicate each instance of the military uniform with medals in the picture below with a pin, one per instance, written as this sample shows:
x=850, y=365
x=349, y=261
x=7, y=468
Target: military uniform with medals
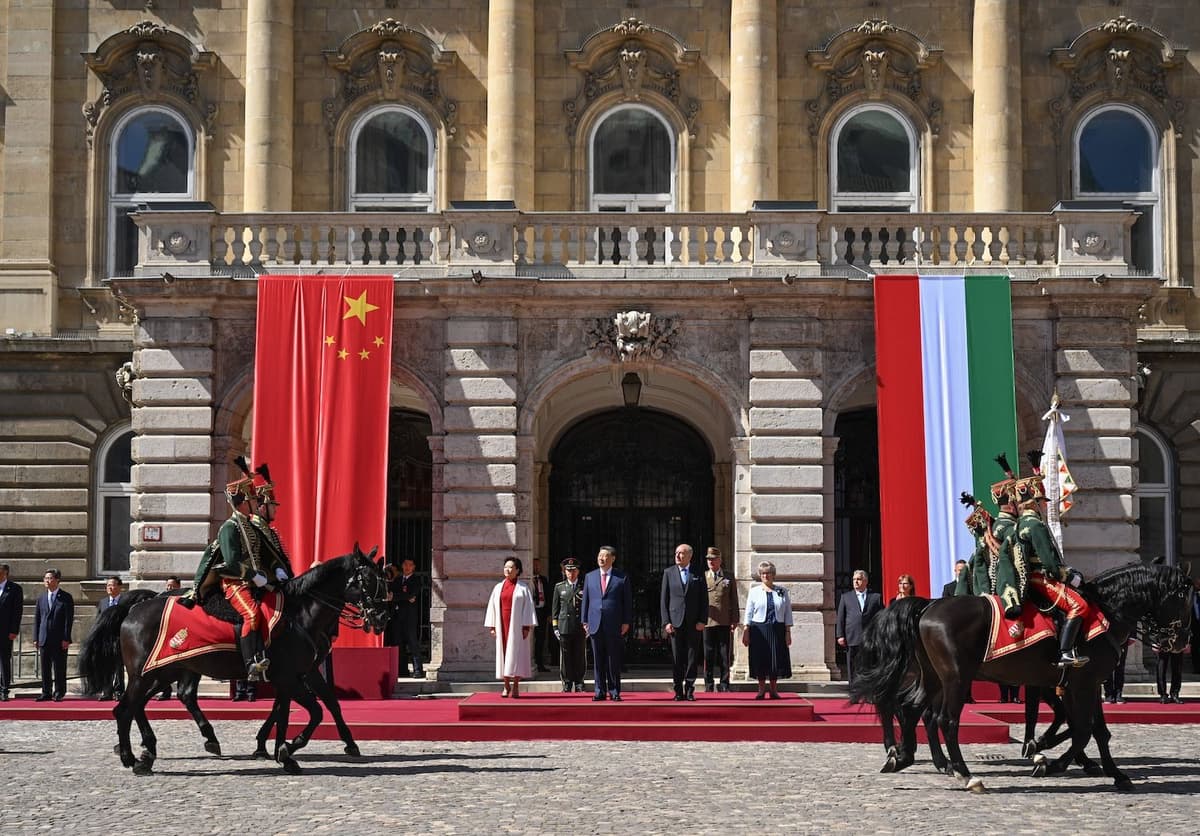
x=567, y=622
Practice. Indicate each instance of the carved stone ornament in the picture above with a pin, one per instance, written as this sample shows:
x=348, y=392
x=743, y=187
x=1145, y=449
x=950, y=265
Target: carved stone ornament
x=1119, y=60
x=125, y=377
x=177, y=243
x=874, y=60
x=108, y=309
x=154, y=64
x=631, y=59
x=1092, y=243
x=389, y=62
x=631, y=336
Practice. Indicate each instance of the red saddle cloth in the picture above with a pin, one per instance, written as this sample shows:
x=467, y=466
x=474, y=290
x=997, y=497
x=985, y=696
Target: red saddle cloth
x=184, y=633
x=1037, y=627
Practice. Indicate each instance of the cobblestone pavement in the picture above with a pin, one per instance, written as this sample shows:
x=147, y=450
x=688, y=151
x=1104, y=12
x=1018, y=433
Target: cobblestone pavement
x=65, y=777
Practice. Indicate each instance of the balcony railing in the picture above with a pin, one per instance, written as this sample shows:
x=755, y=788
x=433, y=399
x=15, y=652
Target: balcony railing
x=643, y=245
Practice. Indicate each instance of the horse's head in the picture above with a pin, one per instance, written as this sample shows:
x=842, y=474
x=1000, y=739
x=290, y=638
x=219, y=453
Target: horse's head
x=1169, y=624
x=366, y=588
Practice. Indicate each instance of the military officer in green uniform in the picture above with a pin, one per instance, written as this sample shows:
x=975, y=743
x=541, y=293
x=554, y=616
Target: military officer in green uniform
x=567, y=623
x=245, y=557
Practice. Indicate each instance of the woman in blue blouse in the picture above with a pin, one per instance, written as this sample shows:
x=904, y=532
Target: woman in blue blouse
x=768, y=620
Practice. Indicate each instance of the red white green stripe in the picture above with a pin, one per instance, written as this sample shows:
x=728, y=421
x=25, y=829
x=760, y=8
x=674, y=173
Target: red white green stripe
x=946, y=406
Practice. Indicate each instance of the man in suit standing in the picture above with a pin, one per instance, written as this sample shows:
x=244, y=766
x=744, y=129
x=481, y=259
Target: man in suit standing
x=607, y=616
x=406, y=587
x=12, y=605
x=539, y=586
x=949, y=589
x=52, y=620
x=724, y=614
x=684, y=604
x=855, y=610
x=565, y=616
x=113, y=588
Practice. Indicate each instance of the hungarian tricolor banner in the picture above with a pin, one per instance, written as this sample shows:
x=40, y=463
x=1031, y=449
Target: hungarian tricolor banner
x=321, y=381
x=946, y=407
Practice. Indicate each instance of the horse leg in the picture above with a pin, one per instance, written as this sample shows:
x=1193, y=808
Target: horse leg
x=187, y=689
x=1103, y=735
x=124, y=716
x=954, y=692
x=889, y=741
x=940, y=762
x=283, y=714
x=137, y=692
x=264, y=731
x=327, y=695
x=1080, y=712
x=307, y=700
x=908, y=737
x=1033, y=698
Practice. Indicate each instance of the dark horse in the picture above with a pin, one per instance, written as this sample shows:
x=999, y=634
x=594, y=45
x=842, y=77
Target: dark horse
x=314, y=601
x=949, y=638
x=890, y=679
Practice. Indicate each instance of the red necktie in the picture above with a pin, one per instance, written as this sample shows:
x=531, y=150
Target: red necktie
x=603, y=582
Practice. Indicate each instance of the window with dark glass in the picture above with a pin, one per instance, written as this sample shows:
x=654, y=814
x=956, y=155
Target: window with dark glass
x=631, y=155
x=873, y=154
x=392, y=156
x=1115, y=155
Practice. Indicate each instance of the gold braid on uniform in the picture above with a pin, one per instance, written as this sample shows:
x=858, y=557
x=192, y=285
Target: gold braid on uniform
x=992, y=573
x=278, y=543
x=254, y=546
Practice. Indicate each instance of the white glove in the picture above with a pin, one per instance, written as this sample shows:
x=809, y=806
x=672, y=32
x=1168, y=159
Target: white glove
x=558, y=635
x=280, y=574
x=259, y=579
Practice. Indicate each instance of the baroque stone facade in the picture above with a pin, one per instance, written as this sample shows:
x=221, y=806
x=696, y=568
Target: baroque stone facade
x=748, y=324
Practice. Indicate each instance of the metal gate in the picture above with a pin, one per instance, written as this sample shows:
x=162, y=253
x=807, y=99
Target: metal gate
x=642, y=482
x=410, y=501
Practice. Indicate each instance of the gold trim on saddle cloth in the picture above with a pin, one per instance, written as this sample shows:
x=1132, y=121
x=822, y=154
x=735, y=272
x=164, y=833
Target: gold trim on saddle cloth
x=1030, y=637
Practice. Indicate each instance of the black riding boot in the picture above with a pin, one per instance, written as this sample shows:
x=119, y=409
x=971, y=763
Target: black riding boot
x=1066, y=643
x=255, y=657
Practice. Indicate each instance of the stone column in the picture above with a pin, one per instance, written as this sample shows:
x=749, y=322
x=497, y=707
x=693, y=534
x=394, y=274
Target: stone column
x=172, y=448
x=28, y=279
x=996, y=78
x=482, y=490
x=753, y=103
x=437, y=598
x=510, y=102
x=270, y=94
x=788, y=477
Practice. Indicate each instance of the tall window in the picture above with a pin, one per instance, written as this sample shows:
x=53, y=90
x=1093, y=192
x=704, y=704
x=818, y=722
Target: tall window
x=1156, y=496
x=391, y=162
x=153, y=158
x=113, y=492
x=1116, y=159
x=873, y=161
x=632, y=162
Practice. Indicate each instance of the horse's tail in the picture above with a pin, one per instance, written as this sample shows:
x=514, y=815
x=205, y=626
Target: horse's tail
x=885, y=666
x=100, y=653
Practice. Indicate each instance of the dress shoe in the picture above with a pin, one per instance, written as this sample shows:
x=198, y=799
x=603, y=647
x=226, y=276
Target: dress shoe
x=58, y=698
x=1016, y=700
x=723, y=688
x=1111, y=699
x=1121, y=698
x=418, y=675
x=678, y=698
x=615, y=698
x=761, y=695
x=690, y=696
x=773, y=695
x=567, y=688
x=3, y=696
x=105, y=696
x=1175, y=698
x=598, y=698
x=579, y=687
x=1164, y=700
x=709, y=687
x=43, y=698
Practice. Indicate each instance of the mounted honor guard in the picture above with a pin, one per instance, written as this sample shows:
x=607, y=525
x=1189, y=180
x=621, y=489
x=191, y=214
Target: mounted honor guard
x=1053, y=580
x=245, y=559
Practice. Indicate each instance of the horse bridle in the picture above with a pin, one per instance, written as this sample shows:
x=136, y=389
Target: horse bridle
x=371, y=615
x=1168, y=636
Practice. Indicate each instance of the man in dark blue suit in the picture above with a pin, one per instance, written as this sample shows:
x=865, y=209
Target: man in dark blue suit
x=855, y=610
x=12, y=603
x=684, y=616
x=607, y=614
x=113, y=588
x=52, y=620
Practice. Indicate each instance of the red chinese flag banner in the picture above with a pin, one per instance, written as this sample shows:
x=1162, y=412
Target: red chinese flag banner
x=321, y=381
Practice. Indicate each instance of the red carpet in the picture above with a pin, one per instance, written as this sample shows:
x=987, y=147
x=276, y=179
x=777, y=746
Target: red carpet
x=639, y=716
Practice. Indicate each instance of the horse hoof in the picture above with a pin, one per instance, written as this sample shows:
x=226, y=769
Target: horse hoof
x=1039, y=770
x=261, y=752
x=142, y=768
x=1093, y=769
x=128, y=760
x=291, y=767
x=949, y=770
x=353, y=751
x=1122, y=782
x=212, y=747
x=889, y=766
x=283, y=754
x=1028, y=750
x=975, y=785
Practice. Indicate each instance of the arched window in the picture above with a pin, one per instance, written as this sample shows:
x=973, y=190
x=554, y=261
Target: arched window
x=1156, y=496
x=873, y=161
x=113, y=492
x=152, y=158
x=632, y=162
x=391, y=162
x=1116, y=159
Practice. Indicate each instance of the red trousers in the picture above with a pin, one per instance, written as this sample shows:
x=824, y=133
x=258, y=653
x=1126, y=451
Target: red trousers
x=239, y=595
x=1063, y=597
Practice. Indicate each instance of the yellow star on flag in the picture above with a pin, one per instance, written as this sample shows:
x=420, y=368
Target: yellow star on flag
x=359, y=307
x=329, y=341
x=379, y=342
x=364, y=354
x=343, y=354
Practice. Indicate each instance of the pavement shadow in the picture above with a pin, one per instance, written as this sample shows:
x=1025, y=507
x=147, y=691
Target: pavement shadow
x=363, y=771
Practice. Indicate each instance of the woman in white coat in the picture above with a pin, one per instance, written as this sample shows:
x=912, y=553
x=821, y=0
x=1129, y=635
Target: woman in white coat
x=510, y=615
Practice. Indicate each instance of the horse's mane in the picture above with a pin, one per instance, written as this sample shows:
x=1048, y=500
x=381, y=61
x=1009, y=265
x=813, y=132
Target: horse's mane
x=1133, y=585
x=320, y=575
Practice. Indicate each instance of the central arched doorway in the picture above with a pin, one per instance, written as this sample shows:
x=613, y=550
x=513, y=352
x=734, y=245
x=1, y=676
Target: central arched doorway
x=641, y=481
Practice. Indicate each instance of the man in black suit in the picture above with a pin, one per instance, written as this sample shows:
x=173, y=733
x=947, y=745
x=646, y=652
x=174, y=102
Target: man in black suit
x=948, y=589
x=855, y=610
x=52, y=620
x=404, y=630
x=539, y=586
x=684, y=616
x=12, y=604
x=113, y=588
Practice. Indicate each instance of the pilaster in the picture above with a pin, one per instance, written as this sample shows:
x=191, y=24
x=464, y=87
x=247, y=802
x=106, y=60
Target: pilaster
x=510, y=102
x=996, y=116
x=753, y=103
x=270, y=92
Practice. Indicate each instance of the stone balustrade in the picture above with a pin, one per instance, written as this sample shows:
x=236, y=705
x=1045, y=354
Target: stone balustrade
x=677, y=245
